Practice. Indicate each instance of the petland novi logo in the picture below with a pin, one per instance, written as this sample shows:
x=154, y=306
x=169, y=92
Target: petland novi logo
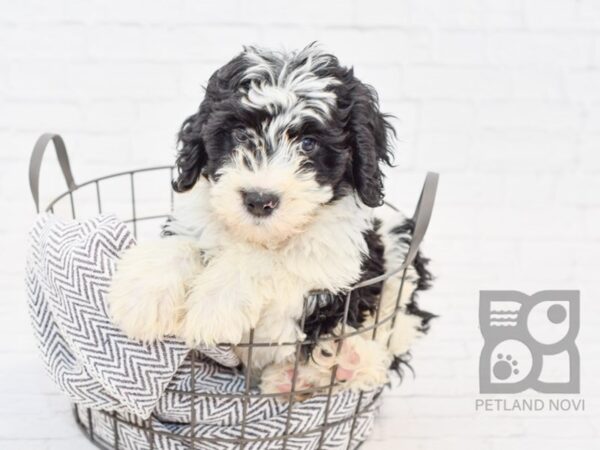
x=529, y=342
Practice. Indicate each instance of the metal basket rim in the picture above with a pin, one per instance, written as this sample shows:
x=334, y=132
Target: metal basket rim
x=171, y=168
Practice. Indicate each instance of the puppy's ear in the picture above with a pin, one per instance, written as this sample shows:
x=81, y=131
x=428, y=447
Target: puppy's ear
x=192, y=156
x=369, y=132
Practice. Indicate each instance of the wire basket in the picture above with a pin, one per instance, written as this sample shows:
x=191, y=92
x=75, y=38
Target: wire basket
x=138, y=207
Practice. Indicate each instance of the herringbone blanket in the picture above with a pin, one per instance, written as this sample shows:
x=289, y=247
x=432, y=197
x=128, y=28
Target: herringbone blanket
x=69, y=268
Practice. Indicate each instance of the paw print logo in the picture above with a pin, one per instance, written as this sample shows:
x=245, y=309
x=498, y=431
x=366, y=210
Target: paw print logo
x=529, y=342
x=505, y=367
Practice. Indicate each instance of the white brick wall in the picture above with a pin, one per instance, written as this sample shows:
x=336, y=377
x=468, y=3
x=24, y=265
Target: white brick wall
x=501, y=96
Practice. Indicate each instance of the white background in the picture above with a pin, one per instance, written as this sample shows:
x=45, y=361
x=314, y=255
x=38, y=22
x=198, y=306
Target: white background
x=502, y=97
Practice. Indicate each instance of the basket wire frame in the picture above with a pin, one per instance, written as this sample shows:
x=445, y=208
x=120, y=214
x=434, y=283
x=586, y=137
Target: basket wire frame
x=192, y=440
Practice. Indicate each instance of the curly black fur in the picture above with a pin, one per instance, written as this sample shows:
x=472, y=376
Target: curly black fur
x=420, y=263
x=425, y=277
x=353, y=140
x=329, y=313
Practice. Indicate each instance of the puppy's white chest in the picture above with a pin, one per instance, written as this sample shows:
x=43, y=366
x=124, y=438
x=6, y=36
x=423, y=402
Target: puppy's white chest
x=268, y=286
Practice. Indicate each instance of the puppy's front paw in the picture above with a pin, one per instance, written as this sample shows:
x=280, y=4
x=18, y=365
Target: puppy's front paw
x=147, y=293
x=211, y=322
x=361, y=362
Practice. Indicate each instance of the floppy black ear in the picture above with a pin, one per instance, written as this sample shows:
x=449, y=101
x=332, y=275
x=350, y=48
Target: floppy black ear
x=369, y=137
x=192, y=156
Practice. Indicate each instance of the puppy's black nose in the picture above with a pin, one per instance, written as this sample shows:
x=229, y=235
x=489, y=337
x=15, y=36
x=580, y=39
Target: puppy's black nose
x=260, y=203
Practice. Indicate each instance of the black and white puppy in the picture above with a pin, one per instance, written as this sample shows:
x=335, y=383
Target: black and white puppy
x=279, y=173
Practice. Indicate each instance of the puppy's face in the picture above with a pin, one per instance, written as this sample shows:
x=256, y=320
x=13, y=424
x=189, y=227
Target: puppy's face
x=278, y=137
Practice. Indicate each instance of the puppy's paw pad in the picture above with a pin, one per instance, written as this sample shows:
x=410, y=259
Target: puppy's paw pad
x=280, y=380
x=348, y=356
x=343, y=374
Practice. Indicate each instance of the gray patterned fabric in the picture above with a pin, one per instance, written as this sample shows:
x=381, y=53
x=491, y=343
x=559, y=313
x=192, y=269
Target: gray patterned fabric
x=135, y=388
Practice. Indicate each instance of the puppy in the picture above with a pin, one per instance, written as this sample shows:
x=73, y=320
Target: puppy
x=279, y=173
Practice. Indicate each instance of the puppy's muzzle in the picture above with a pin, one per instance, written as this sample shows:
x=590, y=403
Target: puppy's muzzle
x=260, y=203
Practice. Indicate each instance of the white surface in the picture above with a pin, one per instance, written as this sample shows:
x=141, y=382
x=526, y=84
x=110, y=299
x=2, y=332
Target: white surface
x=502, y=97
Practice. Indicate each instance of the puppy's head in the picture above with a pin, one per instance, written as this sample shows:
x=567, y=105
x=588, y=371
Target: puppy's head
x=280, y=136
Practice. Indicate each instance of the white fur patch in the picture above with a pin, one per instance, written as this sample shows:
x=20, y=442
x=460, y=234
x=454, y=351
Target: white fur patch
x=281, y=173
x=294, y=91
x=148, y=290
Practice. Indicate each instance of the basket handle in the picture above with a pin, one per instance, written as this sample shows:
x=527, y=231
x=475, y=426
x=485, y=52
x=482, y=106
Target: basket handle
x=421, y=219
x=422, y=215
x=35, y=164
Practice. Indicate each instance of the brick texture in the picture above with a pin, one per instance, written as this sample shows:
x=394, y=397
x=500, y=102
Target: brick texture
x=500, y=96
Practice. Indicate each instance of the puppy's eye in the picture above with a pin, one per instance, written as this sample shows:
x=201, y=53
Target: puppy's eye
x=308, y=144
x=240, y=135
x=326, y=354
